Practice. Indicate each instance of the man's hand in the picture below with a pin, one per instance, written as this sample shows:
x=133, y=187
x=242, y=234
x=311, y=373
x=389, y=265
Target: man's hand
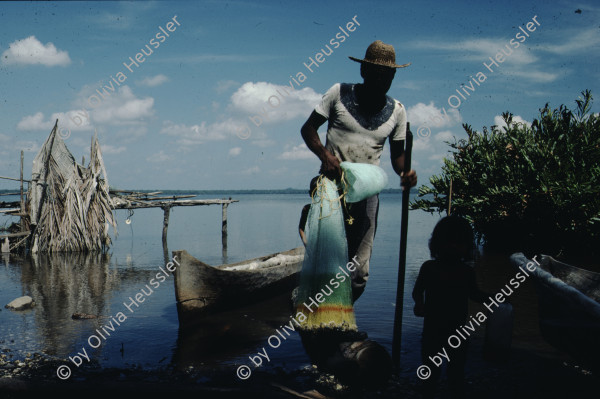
x=409, y=179
x=330, y=166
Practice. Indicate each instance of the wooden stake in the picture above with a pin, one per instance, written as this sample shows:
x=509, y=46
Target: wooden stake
x=13, y=179
x=449, y=199
x=167, y=210
x=224, y=228
x=22, y=211
x=397, y=338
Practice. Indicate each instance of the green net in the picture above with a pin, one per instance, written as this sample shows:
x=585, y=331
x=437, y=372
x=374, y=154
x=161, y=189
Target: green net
x=325, y=292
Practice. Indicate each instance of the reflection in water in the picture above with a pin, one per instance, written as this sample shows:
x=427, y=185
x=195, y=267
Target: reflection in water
x=226, y=335
x=63, y=284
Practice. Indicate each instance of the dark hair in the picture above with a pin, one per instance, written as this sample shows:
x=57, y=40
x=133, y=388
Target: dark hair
x=452, y=238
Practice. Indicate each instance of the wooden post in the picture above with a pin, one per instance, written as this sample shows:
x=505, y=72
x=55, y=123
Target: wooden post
x=449, y=199
x=397, y=337
x=167, y=210
x=224, y=227
x=22, y=210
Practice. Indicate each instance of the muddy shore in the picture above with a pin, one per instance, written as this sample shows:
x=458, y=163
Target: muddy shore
x=524, y=375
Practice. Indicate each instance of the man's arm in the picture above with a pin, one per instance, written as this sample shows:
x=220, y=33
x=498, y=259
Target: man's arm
x=397, y=154
x=330, y=166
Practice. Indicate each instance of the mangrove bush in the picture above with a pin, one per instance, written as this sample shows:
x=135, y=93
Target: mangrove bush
x=531, y=188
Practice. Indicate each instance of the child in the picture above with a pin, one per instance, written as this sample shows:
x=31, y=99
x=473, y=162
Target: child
x=304, y=214
x=447, y=283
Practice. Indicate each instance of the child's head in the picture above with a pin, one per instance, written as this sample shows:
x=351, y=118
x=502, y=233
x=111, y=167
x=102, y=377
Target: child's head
x=452, y=238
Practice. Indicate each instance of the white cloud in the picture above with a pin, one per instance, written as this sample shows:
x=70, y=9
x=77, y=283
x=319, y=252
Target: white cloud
x=34, y=122
x=429, y=115
x=30, y=51
x=297, y=152
x=422, y=144
x=224, y=85
x=437, y=156
x=279, y=171
x=498, y=121
x=250, y=100
x=479, y=49
x=264, y=143
x=74, y=120
x=109, y=149
x=11, y=146
x=218, y=58
x=408, y=84
x=251, y=171
x=575, y=43
x=159, y=157
x=235, y=151
x=446, y=135
x=153, y=81
x=198, y=134
x=537, y=76
x=122, y=107
x=130, y=133
x=522, y=62
x=270, y=103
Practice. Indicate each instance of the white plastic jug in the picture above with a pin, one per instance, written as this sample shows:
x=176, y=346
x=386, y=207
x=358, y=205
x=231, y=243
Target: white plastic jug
x=363, y=180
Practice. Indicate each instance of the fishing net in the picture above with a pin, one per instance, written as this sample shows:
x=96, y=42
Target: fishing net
x=325, y=292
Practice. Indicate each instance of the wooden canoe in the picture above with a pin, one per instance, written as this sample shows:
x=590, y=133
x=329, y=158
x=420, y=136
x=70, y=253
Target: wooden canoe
x=201, y=289
x=569, y=307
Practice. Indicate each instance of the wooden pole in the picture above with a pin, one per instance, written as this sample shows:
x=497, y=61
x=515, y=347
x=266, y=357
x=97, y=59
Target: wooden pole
x=397, y=338
x=13, y=179
x=449, y=199
x=224, y=227
x=167, y=210
x=22, y=210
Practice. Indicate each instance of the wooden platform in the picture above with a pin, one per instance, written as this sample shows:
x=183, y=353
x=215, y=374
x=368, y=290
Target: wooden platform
x=149, y=200
x=166, y=205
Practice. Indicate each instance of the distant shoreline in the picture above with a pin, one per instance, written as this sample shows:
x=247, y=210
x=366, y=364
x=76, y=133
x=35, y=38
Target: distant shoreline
x=234, y=192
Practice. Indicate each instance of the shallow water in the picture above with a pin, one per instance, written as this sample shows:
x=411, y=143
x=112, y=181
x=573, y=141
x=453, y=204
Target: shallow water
x=149, y=337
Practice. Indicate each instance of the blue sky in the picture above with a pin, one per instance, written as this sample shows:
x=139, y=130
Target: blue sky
x=180, y=120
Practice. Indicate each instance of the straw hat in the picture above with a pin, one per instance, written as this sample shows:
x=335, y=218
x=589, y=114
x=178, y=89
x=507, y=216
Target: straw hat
x=379, y=53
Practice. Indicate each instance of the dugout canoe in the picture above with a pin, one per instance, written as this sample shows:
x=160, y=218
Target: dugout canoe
x=202, y=289
x=568, y=307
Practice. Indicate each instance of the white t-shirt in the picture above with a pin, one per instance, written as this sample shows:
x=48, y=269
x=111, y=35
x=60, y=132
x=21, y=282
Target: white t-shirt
x=353, y=137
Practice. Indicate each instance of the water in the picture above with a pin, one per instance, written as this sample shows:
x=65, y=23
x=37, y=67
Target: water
x=150, y=337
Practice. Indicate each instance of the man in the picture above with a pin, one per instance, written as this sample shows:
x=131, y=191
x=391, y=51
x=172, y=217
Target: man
x=361, y=117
